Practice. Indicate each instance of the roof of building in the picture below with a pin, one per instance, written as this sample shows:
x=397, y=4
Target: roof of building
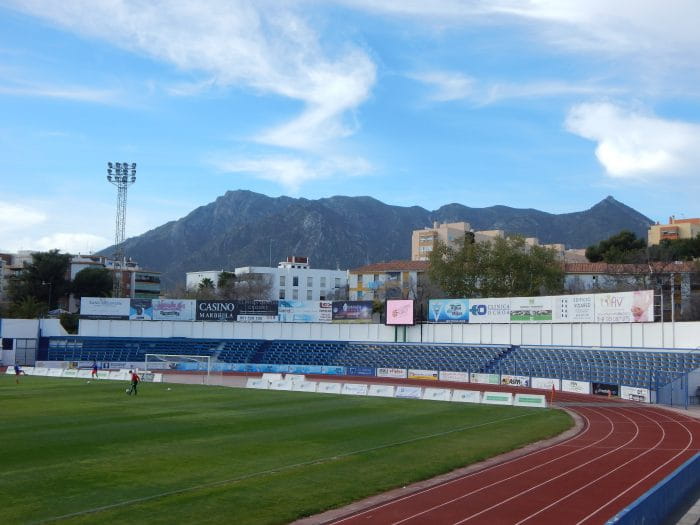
x=393, y=266
x=612, y=269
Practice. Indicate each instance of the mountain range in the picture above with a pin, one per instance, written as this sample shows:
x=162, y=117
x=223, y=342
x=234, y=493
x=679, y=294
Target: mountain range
x=243, y=228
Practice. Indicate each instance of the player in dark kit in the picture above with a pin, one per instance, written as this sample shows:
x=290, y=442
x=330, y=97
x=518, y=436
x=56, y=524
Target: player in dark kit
x=135, y=379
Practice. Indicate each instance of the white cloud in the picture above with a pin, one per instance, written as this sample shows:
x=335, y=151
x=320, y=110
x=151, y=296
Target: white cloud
x=447, y=85
x=16, y=217
x=260, y=44
x=645, y=29
x=293, y=172
x=72, y=242
x=633, y=144
x=76, y=93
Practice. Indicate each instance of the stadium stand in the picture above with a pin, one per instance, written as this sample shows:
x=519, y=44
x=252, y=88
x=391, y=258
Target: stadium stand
x=634, y=367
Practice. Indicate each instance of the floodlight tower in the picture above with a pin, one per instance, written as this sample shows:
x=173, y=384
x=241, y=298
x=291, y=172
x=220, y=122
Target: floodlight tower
x=122, y=175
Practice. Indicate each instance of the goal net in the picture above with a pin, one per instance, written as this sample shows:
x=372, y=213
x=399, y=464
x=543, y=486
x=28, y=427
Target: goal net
x=194, y=366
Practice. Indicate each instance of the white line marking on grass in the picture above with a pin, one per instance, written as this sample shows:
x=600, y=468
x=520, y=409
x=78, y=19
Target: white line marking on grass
x=273, y=470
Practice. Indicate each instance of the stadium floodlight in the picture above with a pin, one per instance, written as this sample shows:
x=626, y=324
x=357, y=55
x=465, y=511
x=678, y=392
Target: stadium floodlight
x=121, y=175
x=193, y=365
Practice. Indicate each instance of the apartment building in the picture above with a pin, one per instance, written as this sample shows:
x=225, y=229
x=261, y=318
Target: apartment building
x=675, y=229
x=386, y=280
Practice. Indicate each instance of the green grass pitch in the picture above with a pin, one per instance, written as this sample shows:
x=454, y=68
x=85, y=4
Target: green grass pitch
x=79, y=452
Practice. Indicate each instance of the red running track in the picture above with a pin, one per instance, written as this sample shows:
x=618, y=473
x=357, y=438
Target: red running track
x=623, y=450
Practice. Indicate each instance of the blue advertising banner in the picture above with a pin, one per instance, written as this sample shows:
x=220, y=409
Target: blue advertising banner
x=448, y=311
x=352, y=311
x=141, y=310
x=360, y=371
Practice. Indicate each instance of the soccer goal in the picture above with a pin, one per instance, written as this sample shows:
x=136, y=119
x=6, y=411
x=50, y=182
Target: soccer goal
x=192, y=365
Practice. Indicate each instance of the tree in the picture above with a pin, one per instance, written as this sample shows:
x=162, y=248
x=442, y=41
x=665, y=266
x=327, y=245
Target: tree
x=92, y=282
x=253, y=286
x=624, y=247
x=497, y=268
x=28, y=308
x=44, y=280
x=226, y=285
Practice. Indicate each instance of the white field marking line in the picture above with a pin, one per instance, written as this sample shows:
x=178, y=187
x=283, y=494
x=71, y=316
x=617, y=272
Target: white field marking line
x=274, y=470
x=636, y=433
x=579, y=489
x=645, y=477
x=449, y=482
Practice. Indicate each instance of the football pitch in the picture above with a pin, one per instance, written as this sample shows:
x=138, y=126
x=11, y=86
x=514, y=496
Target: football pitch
x=75, y=451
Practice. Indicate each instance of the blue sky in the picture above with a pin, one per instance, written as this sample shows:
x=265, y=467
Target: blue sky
x=542, y=104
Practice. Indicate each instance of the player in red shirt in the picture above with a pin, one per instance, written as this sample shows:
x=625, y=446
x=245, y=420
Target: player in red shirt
x=135, y=379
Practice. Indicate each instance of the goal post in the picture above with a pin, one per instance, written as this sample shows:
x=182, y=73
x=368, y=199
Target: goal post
x=190, y=364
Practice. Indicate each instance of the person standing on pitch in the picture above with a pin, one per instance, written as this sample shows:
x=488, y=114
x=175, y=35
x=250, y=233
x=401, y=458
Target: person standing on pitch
x=94, y=369
x=134, y=382
x=18, y=371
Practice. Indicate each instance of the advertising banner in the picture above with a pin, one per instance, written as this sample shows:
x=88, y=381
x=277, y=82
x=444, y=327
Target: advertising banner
x=381, y=391
x=531, y=309
x=352, y=311
x=399, y=373
x=484, y=379
x=360, y=371
x=605, y=389
x=497, y=398
x=625, y=307
x=489, y=310
x=546, y=383
x=635, y=394
x=141, y=310
x=216, y=311
x=104, y=308
x=256, y=311
x=328, y=388
x=448, y=310
x=410, y=392
x=305, y=311
x=431, y=375
x=399, y=312
x=515, y=380
x=173, y=309
x=530, y=400
x=466, y=396
x=574, y=308
x=579, y=387
x=458, y=377
x=354, y=389
x=437, y=394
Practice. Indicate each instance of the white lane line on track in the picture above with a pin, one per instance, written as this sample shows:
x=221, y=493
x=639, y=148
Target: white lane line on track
x=446, y=483
x=592, y=482
x=690, y=440
x=492, y=484
x=272, y=471
x=472, y=516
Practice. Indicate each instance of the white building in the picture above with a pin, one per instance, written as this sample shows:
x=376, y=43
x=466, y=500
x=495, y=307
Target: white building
x=293, y=279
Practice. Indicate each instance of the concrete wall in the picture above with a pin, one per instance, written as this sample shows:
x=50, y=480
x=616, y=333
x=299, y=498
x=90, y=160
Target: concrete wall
x=625, y=335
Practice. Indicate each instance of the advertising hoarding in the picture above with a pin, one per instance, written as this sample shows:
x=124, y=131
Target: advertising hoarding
x=173, y=309
x=305, y=311
x=399, y=373
x=515, y=380
x=216, y=311
x=399, y=312
x=352, y=311
x=489, y=310
x=431, y=375
x=574, y=308
x=256, y=311
x=531, y=309
x=625, y=307
x=448, y=310
x=105, y=308
x=141, y=310
x=251, y=311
